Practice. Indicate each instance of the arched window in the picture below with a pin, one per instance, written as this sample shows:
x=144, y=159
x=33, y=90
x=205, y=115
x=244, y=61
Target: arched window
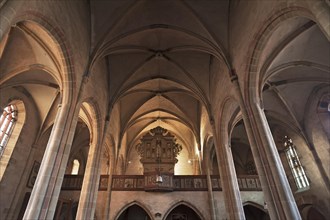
x=295, y=165
x=75, y=167
x=7, y=122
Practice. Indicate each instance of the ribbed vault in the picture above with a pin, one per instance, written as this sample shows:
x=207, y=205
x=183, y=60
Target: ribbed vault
x=159, y=67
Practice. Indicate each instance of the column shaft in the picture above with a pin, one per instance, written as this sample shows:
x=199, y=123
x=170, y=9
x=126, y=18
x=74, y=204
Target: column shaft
x=111, y=171
x=88, y=195
x=277, y=192
x=89, y=191
x=277, y=180
x=210, y=192
x=108, y=196
x=44, y=196
x=229, y=182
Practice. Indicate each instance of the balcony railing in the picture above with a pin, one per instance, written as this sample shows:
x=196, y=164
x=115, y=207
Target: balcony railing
x=72, y=182
x=179, y=183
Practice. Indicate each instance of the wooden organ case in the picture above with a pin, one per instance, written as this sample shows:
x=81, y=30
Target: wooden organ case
x=158, y=150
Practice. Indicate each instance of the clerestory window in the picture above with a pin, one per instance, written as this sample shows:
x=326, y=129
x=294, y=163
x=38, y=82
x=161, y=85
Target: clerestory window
x=7, y=122
x=297, y=169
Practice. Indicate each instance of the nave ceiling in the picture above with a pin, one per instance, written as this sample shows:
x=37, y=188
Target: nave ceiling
x=159, y=66
x=161, y=59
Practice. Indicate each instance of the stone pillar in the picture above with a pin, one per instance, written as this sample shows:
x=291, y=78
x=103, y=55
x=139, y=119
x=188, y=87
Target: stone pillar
x=108, y=196
x=209, y=187
x=229, y=182
x=89, y=190
x=276, y=188
x=45, y=193
x=279, y=186
x=111, y=170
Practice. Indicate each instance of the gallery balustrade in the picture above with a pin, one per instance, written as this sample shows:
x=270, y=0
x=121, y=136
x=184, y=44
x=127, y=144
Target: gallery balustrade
x=170, y=183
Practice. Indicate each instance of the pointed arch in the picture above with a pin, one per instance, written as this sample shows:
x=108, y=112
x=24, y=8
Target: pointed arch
x=253, y=78
x=132, y=204
x=254, y=204
x=184, y=204
x=65, y=59
x=86, y=207
x=253, y=211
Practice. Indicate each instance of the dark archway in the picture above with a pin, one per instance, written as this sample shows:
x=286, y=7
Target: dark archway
x=183, y=212
x=241, y=150
x=134, y=212
x=253, y=213
x=314, y=214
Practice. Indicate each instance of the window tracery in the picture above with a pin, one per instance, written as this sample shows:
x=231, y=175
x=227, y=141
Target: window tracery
x=7, y=122
x=297, y=169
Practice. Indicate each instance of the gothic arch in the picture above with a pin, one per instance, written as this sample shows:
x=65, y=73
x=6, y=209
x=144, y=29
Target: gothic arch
x=258, y=206
x=252, y=87
x=26, y=113
x=305, y=203
x=61, y=44
x=311, y=212
x=136, y=203
x=184, y=203
x=18, y=147
x=91, y=115
x=256, y=209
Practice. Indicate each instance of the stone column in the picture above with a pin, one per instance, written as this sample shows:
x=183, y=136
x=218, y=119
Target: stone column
x=276, y=188
x=229, y=182
x=88, y=195
x=279, y=186
x=89, y=191
x=45, y=193
x=111, y=170
x=108, y=196
x=209, y=187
